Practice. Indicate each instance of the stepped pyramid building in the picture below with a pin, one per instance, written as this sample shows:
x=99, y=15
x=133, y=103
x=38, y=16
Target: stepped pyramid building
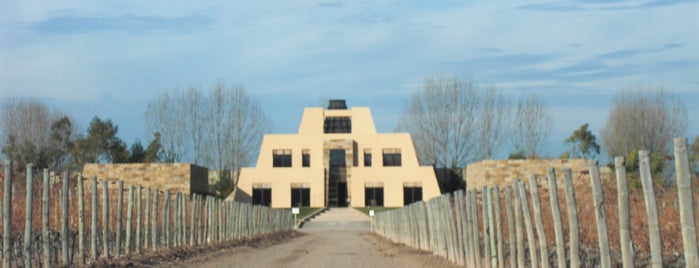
x=336, y=159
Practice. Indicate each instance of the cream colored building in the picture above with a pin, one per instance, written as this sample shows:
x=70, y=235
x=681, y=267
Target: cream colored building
x=336, y=157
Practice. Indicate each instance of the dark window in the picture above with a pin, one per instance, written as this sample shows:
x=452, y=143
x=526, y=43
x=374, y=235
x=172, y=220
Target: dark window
x=335, y=124
x=306, y=159
x=300, y=197
x=367, y=158
x=391, y=158
x=373, y=196
x=411, y=195
x=262, y=197
x=281, y=158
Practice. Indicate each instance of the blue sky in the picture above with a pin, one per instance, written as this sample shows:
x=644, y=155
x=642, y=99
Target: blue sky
x=108, y=58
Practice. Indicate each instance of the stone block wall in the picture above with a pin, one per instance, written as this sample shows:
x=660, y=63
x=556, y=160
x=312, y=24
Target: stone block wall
x=176, y=177
x=503, y=172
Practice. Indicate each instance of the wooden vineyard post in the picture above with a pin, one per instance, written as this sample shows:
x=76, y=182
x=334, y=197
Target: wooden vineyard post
x=154, y=221
x=7, y=217
x=81, y=220
x=624, y=219
x=573, y=225
x=45, y=219
x=600, y=215
x=651, y=210
x=498, y=226
x=539, y=221
x=686, y=200
x=120, y=207
x=105, y=218
x=146, y=220
x=486, y=235
x=166, y=219
x=510, y=227
x=138, y=219
x=64, y=221
x=129, y=221
x=519, y=225
x=93, y=220
x=556, y=213
x=528, y=223
x=28, y=218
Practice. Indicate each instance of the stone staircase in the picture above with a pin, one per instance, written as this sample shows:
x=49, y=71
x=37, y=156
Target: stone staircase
x=339, y=219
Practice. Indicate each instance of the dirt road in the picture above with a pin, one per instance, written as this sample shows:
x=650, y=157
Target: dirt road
x=338, y=238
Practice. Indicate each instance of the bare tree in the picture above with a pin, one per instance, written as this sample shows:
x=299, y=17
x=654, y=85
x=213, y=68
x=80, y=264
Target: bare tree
x=221, y=129
x=165, y=115
x=33, y=133
x=643, y=119
x=494, y=119
x=442, y=118
x=533, y=124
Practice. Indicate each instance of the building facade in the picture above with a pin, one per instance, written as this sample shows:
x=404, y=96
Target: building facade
x=336, y=159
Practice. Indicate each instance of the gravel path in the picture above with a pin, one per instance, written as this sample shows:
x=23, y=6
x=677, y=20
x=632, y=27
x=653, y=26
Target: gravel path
x=336, y=238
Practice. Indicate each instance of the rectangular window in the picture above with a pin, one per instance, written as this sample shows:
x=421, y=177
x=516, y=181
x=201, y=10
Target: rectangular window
x=306, y=158
x=373, y=196
x=262, y=197
x=337, y=124
x=391, y=157
x=367, y=157
x=411, y=195
x=300, y=197
x=281, y=158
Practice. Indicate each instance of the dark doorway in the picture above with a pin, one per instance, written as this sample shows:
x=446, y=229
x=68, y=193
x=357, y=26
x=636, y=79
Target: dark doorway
x=300, y=197
x=342, y=194
x=262, y=197
x=338, y=175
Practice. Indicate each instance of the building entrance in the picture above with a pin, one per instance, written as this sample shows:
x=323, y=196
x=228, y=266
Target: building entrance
x=337, y=182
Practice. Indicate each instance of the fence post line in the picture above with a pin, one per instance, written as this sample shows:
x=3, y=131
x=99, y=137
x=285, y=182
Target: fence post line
x=626, y=245
x=498, y=226
x=486, y=232
x=573, y=225
x=539, y=221
x=686, y=200
x=129, y=220
x=28, y=217
x=154, y=221
x=600, y=214
x=510, y=227
x=166, y=219
x=105, y=218
x=556, y=213
x=138, y=220
x=93, y=219
x=65, y=237
x=7, y=216
x=528, y=223
x=45, y=219
x=120, y=208
x=200, y=224
x=651, y=210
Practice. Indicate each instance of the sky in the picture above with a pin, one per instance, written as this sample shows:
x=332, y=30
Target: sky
x=109, y=58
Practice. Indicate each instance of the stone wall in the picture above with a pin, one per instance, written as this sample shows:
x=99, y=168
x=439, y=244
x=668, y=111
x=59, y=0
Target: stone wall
x=503, y=172
x=176, y=177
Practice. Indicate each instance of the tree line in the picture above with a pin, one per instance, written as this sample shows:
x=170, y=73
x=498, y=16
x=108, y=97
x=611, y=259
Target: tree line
x=452, y=120
x=220, y=128
x=455, y=122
